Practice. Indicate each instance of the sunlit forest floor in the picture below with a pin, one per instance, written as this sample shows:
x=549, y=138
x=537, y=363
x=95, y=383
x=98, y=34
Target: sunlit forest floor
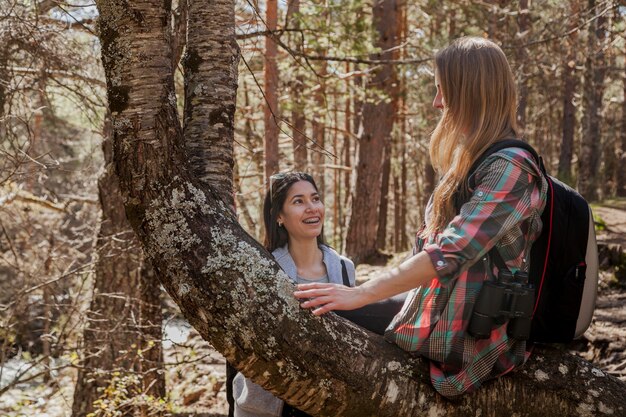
x=195, y=372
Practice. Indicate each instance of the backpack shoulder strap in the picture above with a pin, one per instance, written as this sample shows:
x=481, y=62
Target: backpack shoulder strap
x=495, y=147
x=344, y=274
x=498, y=146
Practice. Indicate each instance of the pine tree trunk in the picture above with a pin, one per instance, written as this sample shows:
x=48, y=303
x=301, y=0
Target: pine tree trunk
x=378, y=116
x=591, y=141
x=318, y=128
x=570, y=84
x=397, y=212
x=298, y=122
x=402, y=94
x=428, y=185
x=242, y=207
x=254, y=142
x=381, y=233
x=4, y=46
x=621, y=154
x=300, y=151
x=271, y=110
x=151, y=321
x=347, y=163
x=110, y=328
x=404, y=244
x=237, y=298
x=523, y=24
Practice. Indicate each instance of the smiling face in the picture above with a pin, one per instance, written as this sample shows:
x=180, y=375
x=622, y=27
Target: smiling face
x=302, y=213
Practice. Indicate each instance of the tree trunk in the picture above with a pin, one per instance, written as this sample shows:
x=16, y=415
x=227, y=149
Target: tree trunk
x=428, y=186
x=255, y=142
x=402, y=227
x=381, y=233
x=378, y=118
x=595, y=69
x=336, y=187
x=210, y=66
x=402, y=94
x=570, y=83
x=318, y=130
x=346, y=149
x=110, y=328
x=397, y=212
x=4, y=60
x=300, y=152
x=151, y=321
x=271, y=92
x=523, y=24
x=237, y=298
x=242, y=207
x=621, y=154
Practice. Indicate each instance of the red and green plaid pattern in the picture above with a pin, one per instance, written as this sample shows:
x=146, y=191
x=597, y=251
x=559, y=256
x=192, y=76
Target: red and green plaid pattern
x=504, y=210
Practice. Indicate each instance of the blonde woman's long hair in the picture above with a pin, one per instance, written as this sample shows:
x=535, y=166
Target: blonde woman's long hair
x=480, y=108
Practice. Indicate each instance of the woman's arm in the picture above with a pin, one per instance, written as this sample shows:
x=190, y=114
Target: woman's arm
x=507, y=192
x=414, y=272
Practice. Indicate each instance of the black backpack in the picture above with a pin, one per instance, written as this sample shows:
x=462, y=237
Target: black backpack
x=563, y=260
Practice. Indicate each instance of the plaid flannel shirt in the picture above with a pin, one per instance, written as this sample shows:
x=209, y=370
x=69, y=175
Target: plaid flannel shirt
x=504, y=211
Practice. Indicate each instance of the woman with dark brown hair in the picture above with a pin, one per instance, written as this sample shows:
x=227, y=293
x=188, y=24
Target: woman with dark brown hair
x=293, y=213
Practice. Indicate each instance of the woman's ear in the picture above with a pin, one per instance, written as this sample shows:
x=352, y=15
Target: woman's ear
x=279, y=220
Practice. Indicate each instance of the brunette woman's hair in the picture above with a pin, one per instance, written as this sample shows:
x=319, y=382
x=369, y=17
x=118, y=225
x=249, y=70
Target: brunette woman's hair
x=480, y=106
x=276, y=236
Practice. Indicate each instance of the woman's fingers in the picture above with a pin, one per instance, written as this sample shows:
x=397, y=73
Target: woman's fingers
x=313, y=290
x=323, y=304
x=323, y=298
x=324, y=309
x=314, y=302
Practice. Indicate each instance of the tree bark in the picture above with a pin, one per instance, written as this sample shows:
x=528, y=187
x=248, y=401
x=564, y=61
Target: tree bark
x=231, y=291
x=318, y=130
x=403, y=112
x=361, y=239
x=210, y=66
x=254, y=143
x=429, y=184
x=621, y=154
x=570, y=83
x=523, y=24
x=595, y=69
x=125, y=307
x=383, y=205
x=151, y=321
x=300, y=151
x=4, y=55
x=271, y=93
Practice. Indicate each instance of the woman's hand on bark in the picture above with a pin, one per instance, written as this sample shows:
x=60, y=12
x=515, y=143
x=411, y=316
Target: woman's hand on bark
x=323, y=298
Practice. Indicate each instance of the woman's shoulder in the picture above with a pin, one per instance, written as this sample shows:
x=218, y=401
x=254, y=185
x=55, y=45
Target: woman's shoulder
x=519, y=157
x=280, y=253
x=332, y=252
x=285, y=261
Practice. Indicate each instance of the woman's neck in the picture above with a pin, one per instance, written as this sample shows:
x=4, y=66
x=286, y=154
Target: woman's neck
x=305, y=253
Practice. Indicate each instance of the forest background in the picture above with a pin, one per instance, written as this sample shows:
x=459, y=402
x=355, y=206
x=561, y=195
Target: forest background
x=340, y=89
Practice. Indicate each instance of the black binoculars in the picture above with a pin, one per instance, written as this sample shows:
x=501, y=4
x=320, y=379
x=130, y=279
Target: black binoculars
x=510, y=297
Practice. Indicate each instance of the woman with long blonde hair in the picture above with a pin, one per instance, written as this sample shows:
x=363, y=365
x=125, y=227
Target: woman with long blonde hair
x=470, y=220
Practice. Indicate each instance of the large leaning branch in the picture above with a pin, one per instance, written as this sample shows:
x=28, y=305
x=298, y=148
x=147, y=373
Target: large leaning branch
x=231, y=291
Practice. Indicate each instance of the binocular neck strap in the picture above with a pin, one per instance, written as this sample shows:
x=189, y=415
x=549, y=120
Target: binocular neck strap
x=494, y=254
